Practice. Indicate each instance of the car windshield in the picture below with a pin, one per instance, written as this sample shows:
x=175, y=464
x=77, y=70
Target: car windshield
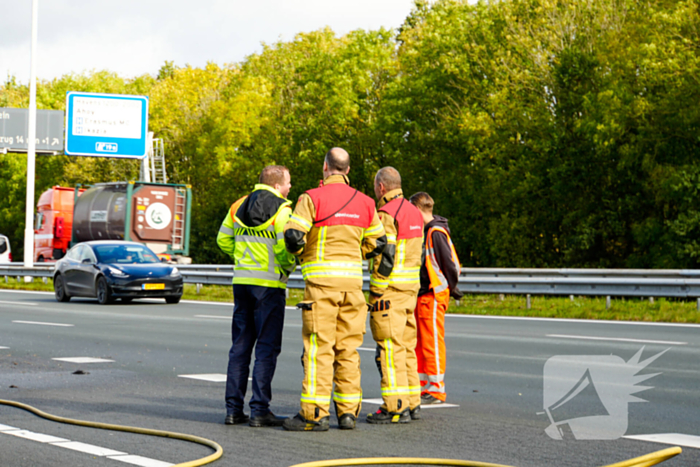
x=124, y=254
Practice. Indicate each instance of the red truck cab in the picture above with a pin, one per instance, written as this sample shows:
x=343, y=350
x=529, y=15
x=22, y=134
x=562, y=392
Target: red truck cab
x=53, y=223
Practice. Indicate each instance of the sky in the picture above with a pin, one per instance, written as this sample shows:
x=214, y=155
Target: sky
x=133, y=37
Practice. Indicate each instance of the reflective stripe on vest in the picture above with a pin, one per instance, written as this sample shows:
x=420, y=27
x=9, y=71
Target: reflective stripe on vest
x=409, y=224
x=438, y=282
x=254, y=251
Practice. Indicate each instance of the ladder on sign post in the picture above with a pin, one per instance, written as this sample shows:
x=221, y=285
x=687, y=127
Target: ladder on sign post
x=179, y=223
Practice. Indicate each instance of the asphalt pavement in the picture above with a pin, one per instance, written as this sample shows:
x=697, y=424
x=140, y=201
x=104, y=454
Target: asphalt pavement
x=508, y=380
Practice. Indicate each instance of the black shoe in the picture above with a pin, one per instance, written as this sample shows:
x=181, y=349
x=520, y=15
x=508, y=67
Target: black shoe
x=429, y=399
x=299, y=423
x=346, y=421
x=382, y=417
x=415, y=413
x=269, y=419
x=236, y=419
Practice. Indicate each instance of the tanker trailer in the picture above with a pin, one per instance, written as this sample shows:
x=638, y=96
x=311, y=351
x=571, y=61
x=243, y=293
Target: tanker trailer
x=155, y=214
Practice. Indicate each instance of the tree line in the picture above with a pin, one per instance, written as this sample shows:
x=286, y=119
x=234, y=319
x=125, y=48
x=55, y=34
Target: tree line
x=551, y=133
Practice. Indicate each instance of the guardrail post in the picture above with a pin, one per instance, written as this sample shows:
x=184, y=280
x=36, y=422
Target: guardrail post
x=529, y=304
x=502, y=296
x=607, y=302
x=698, y=304
x=651, y=300
x=45, y=279
x=199, y=287
x=571, y=297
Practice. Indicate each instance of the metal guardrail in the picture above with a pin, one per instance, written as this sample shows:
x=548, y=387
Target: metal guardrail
x=590, y=282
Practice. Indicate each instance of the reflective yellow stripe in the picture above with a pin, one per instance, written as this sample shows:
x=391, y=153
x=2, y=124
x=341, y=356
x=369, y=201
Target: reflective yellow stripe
x=414, y=390
x=378, y=282
x=322, y=400
x=391, y=238
x=398, y=391
x=347, y=397
x=321, y=247
x=389, y=351
x=332, y=268
x=301, y=221
x=377, y=229
x=312, y=363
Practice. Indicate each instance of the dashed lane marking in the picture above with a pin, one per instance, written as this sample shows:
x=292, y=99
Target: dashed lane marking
x=141, y=461
x=444, y=405
x=82, y=360
x=89, y=448
x=214, y=317
x=19, y=303
x=572, y=320
x=616, y=339
x=1, y=347
x=83, y=447
x=676, y=439
x=44, y=324
x=213, y=377
x=366, y=349
x=40, y=437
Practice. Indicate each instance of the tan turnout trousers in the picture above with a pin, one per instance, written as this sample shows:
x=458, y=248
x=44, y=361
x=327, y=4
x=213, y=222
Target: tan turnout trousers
x=332, y=330
x=397, y=356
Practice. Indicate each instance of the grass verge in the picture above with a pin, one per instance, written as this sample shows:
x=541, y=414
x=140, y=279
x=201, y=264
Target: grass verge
x=626, y=309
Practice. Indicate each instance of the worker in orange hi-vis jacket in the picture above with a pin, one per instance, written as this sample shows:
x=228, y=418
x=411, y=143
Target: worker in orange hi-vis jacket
x=439, y=276
x=395, y=280
x=331, y=230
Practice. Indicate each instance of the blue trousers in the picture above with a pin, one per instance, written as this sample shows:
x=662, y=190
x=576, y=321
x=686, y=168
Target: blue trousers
x=258, y=319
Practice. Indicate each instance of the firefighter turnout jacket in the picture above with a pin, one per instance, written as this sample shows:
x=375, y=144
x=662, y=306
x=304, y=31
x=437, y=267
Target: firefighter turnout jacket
x=331, y=230
x=395, y=277
x=252, y=234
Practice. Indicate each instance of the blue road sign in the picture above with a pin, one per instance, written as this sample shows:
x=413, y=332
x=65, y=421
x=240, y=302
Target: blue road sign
x=106, y=125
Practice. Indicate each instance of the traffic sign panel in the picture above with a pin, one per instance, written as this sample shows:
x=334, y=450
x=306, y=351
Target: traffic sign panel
x=107, y=125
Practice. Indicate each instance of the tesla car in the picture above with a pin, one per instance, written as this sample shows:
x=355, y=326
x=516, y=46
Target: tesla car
x=110, y=270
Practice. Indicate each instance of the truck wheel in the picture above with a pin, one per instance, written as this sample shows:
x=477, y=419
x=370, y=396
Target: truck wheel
x=173, y=300
x=40, y=259
x=104, y=294
x=59, y=288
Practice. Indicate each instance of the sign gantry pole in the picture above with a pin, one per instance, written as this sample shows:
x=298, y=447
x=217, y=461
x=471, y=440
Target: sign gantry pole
x=31, y=148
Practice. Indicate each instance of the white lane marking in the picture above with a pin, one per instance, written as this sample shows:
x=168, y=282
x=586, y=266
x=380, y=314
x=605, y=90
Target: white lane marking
x=25, y=291
x=677, y=439
x=40, y=437
x=572, y=320
x=141, y=461
x=82, y=360
x=429, y=406
x=616, y=339
x=88, y=448
x=83, y=447
x=44, y=324
x=214, y=377
x=292, y=325
x=201, y=302
x=19, y=303
x=1, y=347
x=214, y=317
x=366, y=349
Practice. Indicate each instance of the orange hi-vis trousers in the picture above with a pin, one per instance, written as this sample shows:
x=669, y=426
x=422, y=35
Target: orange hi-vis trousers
x=397, y=356
x=332, y=330
x=430, y=350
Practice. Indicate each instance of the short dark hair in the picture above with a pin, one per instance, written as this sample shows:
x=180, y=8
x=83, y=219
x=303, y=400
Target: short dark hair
x=338, y=160
x=423, y=201
x=273, y=175
x=389, y=177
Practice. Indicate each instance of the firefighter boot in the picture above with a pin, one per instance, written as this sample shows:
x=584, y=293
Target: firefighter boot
x=299, y=423
x=383, y=417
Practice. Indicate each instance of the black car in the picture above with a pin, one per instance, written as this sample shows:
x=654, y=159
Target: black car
x=115, y=269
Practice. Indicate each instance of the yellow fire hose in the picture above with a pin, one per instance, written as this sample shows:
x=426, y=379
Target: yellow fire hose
x=130, y=429
x=643, y=461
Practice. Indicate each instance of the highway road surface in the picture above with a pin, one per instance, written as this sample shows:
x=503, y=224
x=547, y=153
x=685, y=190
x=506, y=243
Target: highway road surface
x=513, y=385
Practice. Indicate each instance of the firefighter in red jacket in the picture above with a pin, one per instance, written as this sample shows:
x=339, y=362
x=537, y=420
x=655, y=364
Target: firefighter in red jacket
x=395, y=279
x=439, y=276
x=332, y=229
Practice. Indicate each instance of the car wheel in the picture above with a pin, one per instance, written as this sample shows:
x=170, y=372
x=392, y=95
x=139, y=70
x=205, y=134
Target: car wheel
x=173, y=300
x=127, y=300
x=59, y=288
x=104, y=294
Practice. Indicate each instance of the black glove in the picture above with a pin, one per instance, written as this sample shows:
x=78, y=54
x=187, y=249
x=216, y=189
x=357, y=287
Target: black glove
x=380, y=305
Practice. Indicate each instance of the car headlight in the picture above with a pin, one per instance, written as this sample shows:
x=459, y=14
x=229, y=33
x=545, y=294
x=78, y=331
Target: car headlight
x=175, y=272
x=116, y=272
